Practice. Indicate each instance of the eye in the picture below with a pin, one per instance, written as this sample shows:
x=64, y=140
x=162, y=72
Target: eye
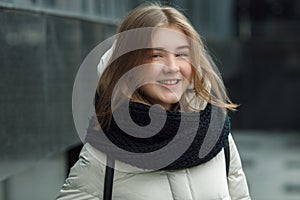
x=156, y=55
x=182, y=54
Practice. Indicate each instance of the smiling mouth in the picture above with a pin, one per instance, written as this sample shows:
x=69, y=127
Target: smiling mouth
x=169, y=82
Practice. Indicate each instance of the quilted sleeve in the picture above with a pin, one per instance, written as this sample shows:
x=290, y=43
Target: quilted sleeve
x=237, y=182
x=85, y=181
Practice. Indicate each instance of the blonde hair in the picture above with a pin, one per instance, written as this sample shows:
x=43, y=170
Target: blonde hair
x=207, y=84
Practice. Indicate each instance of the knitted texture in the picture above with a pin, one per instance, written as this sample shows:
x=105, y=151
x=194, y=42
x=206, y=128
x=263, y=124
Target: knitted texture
x=196, y=125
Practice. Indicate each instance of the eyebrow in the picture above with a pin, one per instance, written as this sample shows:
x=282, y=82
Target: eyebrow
x=180, y=47
x=184, y=47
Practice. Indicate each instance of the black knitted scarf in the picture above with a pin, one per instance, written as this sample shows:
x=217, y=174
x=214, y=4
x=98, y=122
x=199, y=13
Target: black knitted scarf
x=193, y=127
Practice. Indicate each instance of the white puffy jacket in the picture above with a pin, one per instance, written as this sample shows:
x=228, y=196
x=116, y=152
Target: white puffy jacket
x=203, y=182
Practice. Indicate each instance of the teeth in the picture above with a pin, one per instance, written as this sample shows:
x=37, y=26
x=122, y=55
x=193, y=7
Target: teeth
x=169, y=82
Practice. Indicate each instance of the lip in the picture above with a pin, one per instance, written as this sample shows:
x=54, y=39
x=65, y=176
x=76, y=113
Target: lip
x=169, y=82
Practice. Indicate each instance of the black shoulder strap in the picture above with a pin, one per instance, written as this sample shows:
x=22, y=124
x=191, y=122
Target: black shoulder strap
x=227, y=155
x=108, y=179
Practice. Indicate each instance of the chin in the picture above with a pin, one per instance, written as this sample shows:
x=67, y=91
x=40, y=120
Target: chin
x=170, y=101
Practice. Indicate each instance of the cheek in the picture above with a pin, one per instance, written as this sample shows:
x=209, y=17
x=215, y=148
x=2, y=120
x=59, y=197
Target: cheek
x=148, y=74
x=152, y=72
x=186, y=71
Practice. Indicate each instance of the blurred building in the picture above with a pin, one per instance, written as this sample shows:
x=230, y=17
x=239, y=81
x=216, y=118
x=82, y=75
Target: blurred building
x=255, y=43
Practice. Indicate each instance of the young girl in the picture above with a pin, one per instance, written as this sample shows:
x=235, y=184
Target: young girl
x=161, y=127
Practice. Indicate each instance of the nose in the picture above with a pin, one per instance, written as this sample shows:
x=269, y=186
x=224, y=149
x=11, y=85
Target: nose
x=171, y=64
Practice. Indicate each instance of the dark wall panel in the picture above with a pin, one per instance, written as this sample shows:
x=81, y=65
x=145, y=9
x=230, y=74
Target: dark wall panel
x=39, y=58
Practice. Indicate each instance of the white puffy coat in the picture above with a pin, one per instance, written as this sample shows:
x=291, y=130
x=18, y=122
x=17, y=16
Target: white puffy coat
x=203, y=182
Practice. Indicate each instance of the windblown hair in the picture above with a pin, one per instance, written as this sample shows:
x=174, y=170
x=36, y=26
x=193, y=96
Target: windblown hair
x=206, y=85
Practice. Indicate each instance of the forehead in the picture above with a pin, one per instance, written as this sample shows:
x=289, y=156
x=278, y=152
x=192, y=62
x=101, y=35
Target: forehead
x=169, y=38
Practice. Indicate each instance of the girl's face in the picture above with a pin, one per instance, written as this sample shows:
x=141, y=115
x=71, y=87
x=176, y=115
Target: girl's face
x=170, y=69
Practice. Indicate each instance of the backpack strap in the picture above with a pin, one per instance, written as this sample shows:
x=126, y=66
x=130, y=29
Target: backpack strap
x=108, y=179
x=227, y=156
